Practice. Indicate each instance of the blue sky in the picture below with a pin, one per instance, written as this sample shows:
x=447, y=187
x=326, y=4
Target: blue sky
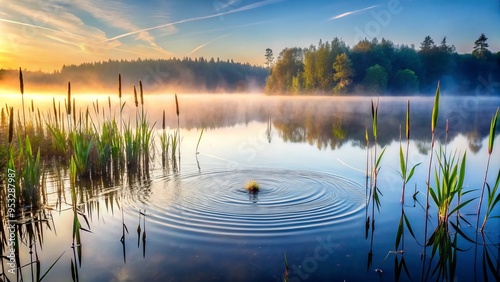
x=47, y=34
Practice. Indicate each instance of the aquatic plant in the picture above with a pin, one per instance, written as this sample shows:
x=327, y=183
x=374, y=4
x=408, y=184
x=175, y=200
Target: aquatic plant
x=491, y=141
x=252, y=186
x=82, y=145
x=21, y=87
x=406, y=176
x=434, y=119
x=449, y=185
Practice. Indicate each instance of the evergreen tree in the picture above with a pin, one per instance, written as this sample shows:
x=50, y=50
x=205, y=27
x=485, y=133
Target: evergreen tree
x=481, y=47
x=269, y=58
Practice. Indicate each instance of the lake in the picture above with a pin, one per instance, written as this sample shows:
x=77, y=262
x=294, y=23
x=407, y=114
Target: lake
x=190, y=218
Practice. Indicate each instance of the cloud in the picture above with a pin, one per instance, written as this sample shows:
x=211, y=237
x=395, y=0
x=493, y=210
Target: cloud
x=353, y=12
x=240, y=9
x=116, y=14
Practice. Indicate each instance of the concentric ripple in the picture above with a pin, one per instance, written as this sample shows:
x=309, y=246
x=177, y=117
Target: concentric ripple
x=288, y=201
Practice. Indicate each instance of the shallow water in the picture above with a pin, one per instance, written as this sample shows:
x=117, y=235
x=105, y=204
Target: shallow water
x=194, y=221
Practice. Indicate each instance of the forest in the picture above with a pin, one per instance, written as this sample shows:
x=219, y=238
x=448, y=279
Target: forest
x=381, y=67
x=187, y=75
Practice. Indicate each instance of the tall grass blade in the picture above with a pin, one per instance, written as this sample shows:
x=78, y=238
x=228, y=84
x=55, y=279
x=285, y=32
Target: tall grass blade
x=199, y=139
x=11, y=124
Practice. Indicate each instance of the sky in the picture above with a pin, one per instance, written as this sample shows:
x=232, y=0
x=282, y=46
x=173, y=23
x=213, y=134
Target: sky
x=45, y=35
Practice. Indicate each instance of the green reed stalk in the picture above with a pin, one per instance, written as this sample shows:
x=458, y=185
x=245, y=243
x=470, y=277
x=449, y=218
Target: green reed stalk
x=491, y=142
x=406, y=176
x=493, y=199
x=199, y=139
x=21, y=87
x=449, y=185
x=55, y=110
x=376, y=166
x=435, y=113
x=142, y=97
x=11, y=124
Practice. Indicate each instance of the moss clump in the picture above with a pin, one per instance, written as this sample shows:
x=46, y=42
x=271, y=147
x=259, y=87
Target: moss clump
x=252, y=186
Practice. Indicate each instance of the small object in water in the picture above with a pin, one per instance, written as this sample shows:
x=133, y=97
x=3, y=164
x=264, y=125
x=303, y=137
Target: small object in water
x=378, y=270
x=252, y=186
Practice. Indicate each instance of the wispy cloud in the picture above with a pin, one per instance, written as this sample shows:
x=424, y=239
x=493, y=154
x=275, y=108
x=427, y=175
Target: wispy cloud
x=240, y=9
x=116, y=14
x=353, y=12
x=205, y=44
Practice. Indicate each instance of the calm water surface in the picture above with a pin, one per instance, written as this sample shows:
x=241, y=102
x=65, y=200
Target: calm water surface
x=194, y=221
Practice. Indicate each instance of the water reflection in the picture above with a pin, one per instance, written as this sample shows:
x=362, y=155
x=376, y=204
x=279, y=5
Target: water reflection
x=203, y=219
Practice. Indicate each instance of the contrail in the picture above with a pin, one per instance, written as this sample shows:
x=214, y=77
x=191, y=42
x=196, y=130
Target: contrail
x=39, y=27
x=205, y=44
x=353, y=12
x=241, y=9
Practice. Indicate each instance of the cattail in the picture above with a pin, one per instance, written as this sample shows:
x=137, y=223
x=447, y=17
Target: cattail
x=163, y=124
x=135, y=97
x=69, y=98
x=11, y=124
x=21, y=87
x=21, y=81
x=176, y=105
x=119, y=86
x=32, y=107
x=109, y=104
x=140, y=90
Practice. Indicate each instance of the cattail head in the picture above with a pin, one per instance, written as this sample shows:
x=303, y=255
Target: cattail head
x=163, y=124
x=140, y=90
x=135, y=97
x=447, y=126
x=176, y=105
x=11, y=124
x=119, y=85
x=21, y=81
x=69, y=98
x=32, y=107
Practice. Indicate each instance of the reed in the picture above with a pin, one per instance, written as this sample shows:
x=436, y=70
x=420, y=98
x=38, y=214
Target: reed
x=406, y=175
x=69, y=106
x=11, y=124
x=491, y=142
x=31, y=174
x=178, y=124
x=449, y=185
x=199, y=139
x=82, y=145
x=21, y=87
x=434, y=119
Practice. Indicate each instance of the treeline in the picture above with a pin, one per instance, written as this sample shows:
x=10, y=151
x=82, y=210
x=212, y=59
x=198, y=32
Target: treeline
x=196, y=75
x=380, y=67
